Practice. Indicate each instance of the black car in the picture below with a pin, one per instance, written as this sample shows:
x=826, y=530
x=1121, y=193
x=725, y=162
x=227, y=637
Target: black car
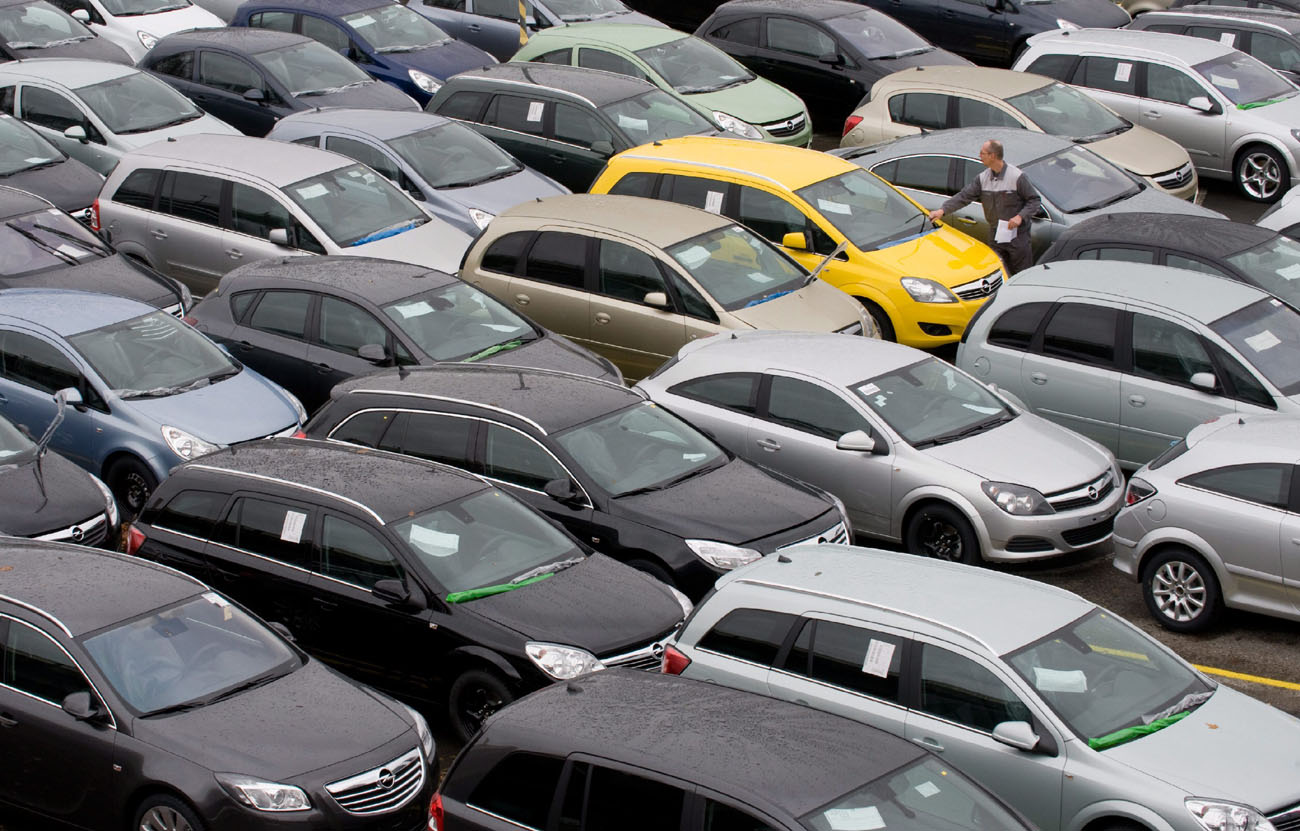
x=300, y=320
x=619, y=472
x=565, y=121
x=683, y=16
x=828, y=52
x=29, y=162
x=39, y=29
x=1271, y=36
x=251, y=78
x=133, y=696
x=418, y=578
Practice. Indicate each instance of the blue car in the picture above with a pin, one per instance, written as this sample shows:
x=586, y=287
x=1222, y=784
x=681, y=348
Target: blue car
x=391, y=42
x=146, y=392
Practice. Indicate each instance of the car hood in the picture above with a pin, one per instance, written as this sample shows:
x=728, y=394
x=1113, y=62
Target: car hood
x=111, y=275
x=499, y=194
x=243, y=407
x=435, y=244
x=70, y=185
x=375, y=95
x=93, y=49
x=758, y=101
x=280, y=730
x=735, y=503
x=1148, y=199
x=1284, y=113
x=944, y=254
x=1088, y=14
x=1231, y=747
x=443, y=59
x=934, y=57
x=552, y=351
x=203, y=124
x=161, y=24
x=1027, y=450
x=599, y=605
x=69, y=497
x=817, y=307
x=1140, y=150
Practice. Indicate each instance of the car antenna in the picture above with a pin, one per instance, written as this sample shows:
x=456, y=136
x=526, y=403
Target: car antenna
x=402, y=372
x=171, y=138
x=783, y=558
x=572, y=687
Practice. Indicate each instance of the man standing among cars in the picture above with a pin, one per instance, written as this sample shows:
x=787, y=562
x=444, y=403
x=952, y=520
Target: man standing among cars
x=1009, y=201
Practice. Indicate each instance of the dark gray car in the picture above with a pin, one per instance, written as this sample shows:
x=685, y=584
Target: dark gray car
x=29, y=162
x=1271, y=35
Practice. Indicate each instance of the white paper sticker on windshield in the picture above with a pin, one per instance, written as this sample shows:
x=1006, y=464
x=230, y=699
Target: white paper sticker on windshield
x=1228, y=39
x=312, y=191
x=434, y=543
x=1291, y=272
x=1123, y=71
x=868, y=389
x=641, y=125
x=855, y=819
x=1224, y=82
x=982, y=410
x=535, y=109
x=879, y=654
x=417, y=309
x=694, y=457
x=74, y=251
x=291, y=531
x=500, y=327
x=363, y=20
x=834, y=207
x=713, y=202
x=216, y=599
x=1264, y=340
x=760, y=277
x=693, y=257
x=927, y=789
x=1060, y=680
x=36, y=160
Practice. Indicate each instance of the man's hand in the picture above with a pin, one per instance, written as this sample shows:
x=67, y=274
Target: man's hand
x=937, y=213
x=1014, y=222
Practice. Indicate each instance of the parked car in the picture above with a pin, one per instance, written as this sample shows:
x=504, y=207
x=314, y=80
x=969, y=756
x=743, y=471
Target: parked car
x=39, y=29
x=1271, y=36
x=924, y=99
x=618, y=472
x=495, y=26
x=565, y=122
x=543, y=14
x=389, y=41
x=1132, y=355
x=1075, y=183
x=97, y=112
x=30, y=163
x=1233, y=113
x=684, y=66
x=136, y=25
x=196, y=207
x=685, y=17
x=747, y=761
x=459, y=592
x=1280, y=5
x=919, y=282
x=634, y=280
x=146, y=391
x=252, y=78
x=828, y=52
x=309, y=323
x=1283, y=216
x=108, y=658
x=458, y=175
x=1063, y=709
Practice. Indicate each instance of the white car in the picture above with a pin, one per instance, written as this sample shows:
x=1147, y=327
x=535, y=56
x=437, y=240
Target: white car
x=136, y=25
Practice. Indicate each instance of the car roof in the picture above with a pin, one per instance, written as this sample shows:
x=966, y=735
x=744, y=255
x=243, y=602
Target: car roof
x=388, y=486
x=745, y=745
x=628, y=36
x=596, y=87
x=66, y=312
x=1019, y=147
x=552, y=400
x=801, y=352
x=951, y=596
x=73, y=73
x=381, y=124
x=332, y=8
x=15, y=202
x=379, y=281
x=999, y=83
x=1242, y=439
x=1203, y=235
x=815, y=9
x=1203, y=297
x=278, y=163
x=238, y=38
x=1287, y=20
x=87, y=588
x=1136, y=43
x=791, y=167
x=657, y=222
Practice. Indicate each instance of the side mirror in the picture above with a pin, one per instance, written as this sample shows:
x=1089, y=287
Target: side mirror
x=77, y=133
x=1205, y=381
x=562, y=491
x=81, y=15
x=373, y=352
x=795, y=241
x=392, y=591
x=72, y=397
x=656, y=298
x=1201, y=104
x=82, y=706
x=602, y=148
x=993, y=5
x=832, y=59
x=860, y=442
x=255, y=95
x=282, y=630
x=279, y=236
x=1017, y=734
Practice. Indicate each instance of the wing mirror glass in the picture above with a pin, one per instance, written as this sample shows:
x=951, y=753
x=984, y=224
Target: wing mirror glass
x=77, y=133
x=279, y=236
x=255, y=95
x=795, y=240
x=82, y=706
x=656, y=298
x=1205, y=381
x=1201, y=104
x=1017, y=734
x=372, y=352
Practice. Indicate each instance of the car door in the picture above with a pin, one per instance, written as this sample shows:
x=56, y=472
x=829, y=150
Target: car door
x=1113, y=82
x=517, y=123
x=794, y=58
x=930, y=181
x=498, y=27
x=637, y=335
x=519, y=462
x=32, y=369
x=222, y=81
x=254, y=214
x=1290, y=542
x=976, y=29
x=580, y=146
x=185, y=235
x=342, y=328
x=1164, y=109
x=721, y=405
x=50, y=113
x=272, y=339
x=551, y=287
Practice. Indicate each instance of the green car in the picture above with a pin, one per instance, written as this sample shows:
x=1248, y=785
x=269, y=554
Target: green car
x=703, y=76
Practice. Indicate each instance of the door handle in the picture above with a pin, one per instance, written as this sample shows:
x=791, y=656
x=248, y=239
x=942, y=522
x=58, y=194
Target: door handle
x=3, y=399
x=930, y=744
x=558, y=157
x=158, y=234
x=1151, y=114
x=1137, y=400
x=474, y=27
x=324, y=368
x=8, y=721
x=234, y=253
x=1038, y=377
x=521, y=299
x=243, y=344
x=325, y=605
x=602, y=317
x=771, y=445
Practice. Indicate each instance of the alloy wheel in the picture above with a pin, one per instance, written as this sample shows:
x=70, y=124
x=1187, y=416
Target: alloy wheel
x=476, y=704
x=163, y=818
x=940, y=539
x=1179, y=591
x=137, y=491
x=1260, y=176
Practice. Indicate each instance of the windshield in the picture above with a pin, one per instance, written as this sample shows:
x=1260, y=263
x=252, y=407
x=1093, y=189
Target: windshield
x=866, y=210
x=22, y=148
x=656, y=115
x=1076, y=180
x=191, y=654
x=876, y=35
x=690, y=65
x=931, y=401
x=454, y=156
x=1274, y=266
x=485, y=539
x=1267, y=335
x=737, y=268
x=354, y=205
x=1245, y=80
x=1059, y=110
x=41, y=241
x=152, y=356
x=575, y=11
x=312, y=69
x=640, y=448
x=130, y=8
x=1101, y=675
x=14, y=446
x=395, y=28
x=138, y=102
x=459, y=322
x=39, y=25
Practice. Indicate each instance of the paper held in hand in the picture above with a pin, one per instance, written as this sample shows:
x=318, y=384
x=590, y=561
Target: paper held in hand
x=1005, y=233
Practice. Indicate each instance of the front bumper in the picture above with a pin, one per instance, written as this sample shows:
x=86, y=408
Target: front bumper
x=1022, y=538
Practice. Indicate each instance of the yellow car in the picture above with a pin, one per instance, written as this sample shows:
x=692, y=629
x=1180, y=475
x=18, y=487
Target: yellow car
x=920, y=281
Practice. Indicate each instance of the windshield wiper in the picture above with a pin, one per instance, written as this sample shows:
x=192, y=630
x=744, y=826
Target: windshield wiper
x=175, y=708
x=60, y=42
x=907, y=53
x=414, y=47
x=1187, y=703
x=37, y=166
x=956, y=435
x=40, y=243
x=490, y=177
x=690, y=474
x=178, y=120
x=494, y=349
x=549, y=568
x=1103, y=203
x=330, y=90
x=259, y=681
x=1113, y=131
x=93, y=246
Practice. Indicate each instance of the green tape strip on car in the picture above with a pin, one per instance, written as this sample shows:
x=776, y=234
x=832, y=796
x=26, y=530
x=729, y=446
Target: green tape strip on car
x=488, y=591
x=1253, y=104
x=1128, y=734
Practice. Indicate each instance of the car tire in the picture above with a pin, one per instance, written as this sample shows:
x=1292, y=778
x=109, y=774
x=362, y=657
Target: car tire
x=161, y=812
x=1181, y=590
x=1261, y=174
x=883, y=323
x=475, y=695
x=655, y=570
x=131, y=483
x=940, y=531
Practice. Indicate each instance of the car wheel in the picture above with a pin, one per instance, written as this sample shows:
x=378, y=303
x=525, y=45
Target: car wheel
x=940, y=531
x=655, y=570
x=131, y=483
x=476, y=694
x=166, y=813
x=883, y=323
x=1261, y=174
x=1181, y=591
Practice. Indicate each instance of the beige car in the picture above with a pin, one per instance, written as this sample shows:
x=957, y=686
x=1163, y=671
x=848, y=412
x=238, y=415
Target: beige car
x=635, y=279
x=916, y=100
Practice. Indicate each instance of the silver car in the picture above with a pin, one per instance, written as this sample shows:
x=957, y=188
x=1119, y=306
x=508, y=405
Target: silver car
x=1215, y=521
x=97, y=112
x=918, y=451
x=1069, y=713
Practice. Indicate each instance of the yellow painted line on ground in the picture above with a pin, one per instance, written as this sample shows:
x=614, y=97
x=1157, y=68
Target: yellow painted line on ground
x=1254, y=679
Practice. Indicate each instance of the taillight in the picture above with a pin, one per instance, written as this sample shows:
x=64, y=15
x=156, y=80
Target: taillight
x=1138, y=490
x=94, y=216
x=190, y=319
x=134, y=539
x=849, y=123
x=298, y=434
x=435, y=813
x=674, y=661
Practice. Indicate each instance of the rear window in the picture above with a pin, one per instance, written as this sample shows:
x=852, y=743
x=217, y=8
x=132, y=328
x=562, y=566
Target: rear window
x=1016, y=328
x=191, y=512
x=138, y=189
x=749, y=634
x=519, y=789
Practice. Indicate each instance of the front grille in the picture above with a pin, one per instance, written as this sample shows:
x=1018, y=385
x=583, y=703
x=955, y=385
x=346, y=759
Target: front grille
x=1287, y=819
x=837, y=534
x=1090, y=533
x=1028, y=545
x=1174, y=179
x=1081, y=496
x=986, y=286
x=787, y=126
x=386, y=788
x=90, y=532
x=648, y=658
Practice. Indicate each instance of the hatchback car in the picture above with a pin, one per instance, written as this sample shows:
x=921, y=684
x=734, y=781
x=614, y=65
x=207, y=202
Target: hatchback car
x=458, y=175
x=196, y=208
x=634, y=280
x=136, y=25
x=40, y=29
x=543, y=14
x=215, y=720
x=495, y=26
x=1271, y=36
x=690, y=69
x=419, y=578
x=1133, y=355
x=620, y=473
x=309, y=323
x=1279, y=5
x=251, y=78
x=1066, y=711
x=1283, y=216
x=98, y=112
x=920, y=282
x=1233, y=113
x=30, y=163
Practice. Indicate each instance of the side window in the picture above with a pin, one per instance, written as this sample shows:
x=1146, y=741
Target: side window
x=609, y=62
x=438, y=438
x=240, y=304
x=193, y=197
x=576, y=126
x=768, y=215
x=734, y=391
x=927, y=173
x=558, y=258
x=35, y=363
x=972, y=113
x=365, y=154
x=514, y=457
x=7, y=99
x=138, y=189
x=851, y=657
x=1016, y=328
x=636, y=184
x=255, y=212
x=346, y=328
x=1263, y=484
x=754, y=635
x=617, y=800
x=327, y=33
x=228, y=73
x=627, y=273
x=37, y=665
x=1192, y=264
x=1166, y=351
x=799, y=38
x=179, y=65
x=307, y=141
x=694, y=191
x=1171, y=85
x=499, y=9
x=1167, y=28
x=270, y=529
x=1082, y=332
x=519, y=789
x=282, y=313
x=50, y=109
x=1246, y=387
x=1215, y=33
x=958, y=689
x=693, y=303
x=719, y=816
x=555, y=56
x=1124, y=255
x=364, y=428
x=811, y=409
x=279, y=21
x=191, y=512
x=354, y=554
x=509, y=112
x=920, y=109
x=738, y=31
x=1276, y=52
x=466, y=105
x=1109, y=74
x=503, y=255
x=1053, y=66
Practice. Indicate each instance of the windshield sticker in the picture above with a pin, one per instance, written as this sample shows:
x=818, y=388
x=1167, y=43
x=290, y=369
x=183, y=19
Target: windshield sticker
x=693, y=257
x=74, y=251
x=834, y=207
x=982, y=410
x=221, y=603
x=694, y=457
x=1264, y=340
x=312, y=191
x=417, y=309
x=760, y=277
x=855, y=819
x=1228, y=39
x=37, y=160
x=1223, y=82
x=868, y=389
x=363, y=20
x=434, y=543
x=641, y=125
x=535, y=109
x=713, y=202
x=1291, y=272
x=1123, y=71
x=1060, y=680
x=500, y=327
x=927, y=789
x=1276, y=302
x=291, y=531
x=879, y=656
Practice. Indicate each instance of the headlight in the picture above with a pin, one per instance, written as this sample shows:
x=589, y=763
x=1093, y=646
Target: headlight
x=264, y=796
x=187, y=446
x=146, y=40
x=735, y=125
x=428, y=83
x=562, y=662
x=110, y=504
x=1295, y=134
x=869, y=326
x=481, y=218
x=1017, y=500
x=1062, y=23
x=1226, y=816
x=927, y=291
x=682, y=600
x=426, y=737
x=722, y=555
